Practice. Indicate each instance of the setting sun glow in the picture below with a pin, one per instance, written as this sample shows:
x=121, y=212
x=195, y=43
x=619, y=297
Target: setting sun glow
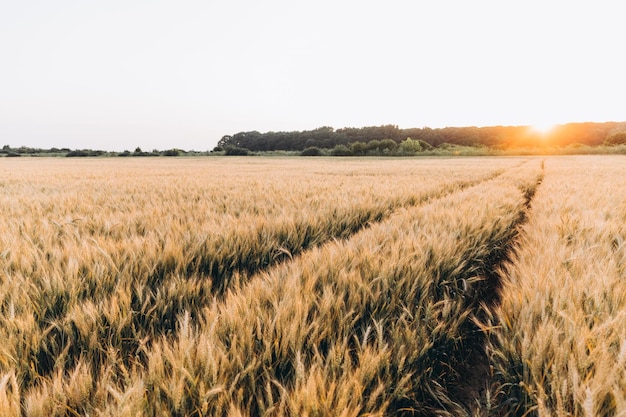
x=542, y=128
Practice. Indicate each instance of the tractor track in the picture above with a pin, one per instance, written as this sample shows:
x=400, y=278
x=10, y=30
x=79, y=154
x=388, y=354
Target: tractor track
x=145, y=299
x=471, y=388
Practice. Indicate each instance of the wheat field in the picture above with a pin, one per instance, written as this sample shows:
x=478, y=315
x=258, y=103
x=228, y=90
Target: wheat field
x=312, y=287
x=561, y=344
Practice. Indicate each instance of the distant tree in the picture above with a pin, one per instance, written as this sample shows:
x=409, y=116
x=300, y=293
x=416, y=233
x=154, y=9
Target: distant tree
x=139, y=152
x=224, y=142
x=373, y=146
x=409, y=147
x=358, y=148
x=388, y=144
x=425, y=145
x=248, y=140
x=25, y=150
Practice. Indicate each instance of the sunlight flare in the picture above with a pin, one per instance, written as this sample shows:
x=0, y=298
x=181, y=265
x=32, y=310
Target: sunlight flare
x=542, y=128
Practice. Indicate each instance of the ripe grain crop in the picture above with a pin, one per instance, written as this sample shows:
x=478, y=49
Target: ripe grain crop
x=375, y=325
x=100, y=259
x=558, y=344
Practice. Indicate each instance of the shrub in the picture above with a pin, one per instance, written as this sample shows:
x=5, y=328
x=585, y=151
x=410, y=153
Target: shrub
x=235, y=151
x=341, y=150
x=358, y=148
x=77, y=153
x=311, y=151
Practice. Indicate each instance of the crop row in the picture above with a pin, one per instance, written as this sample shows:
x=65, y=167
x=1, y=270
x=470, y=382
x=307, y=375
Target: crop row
x=559, y=346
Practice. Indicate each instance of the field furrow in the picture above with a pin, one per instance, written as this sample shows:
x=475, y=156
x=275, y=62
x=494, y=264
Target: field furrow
x=559, y=347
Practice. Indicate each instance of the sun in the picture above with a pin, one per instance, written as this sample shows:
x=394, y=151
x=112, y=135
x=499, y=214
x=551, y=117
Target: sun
x=542, y=128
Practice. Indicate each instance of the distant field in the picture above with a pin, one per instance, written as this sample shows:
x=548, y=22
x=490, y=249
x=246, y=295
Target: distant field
x=325, y=286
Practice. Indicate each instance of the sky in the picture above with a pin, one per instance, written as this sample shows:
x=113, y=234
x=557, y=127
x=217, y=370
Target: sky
x=157, y=74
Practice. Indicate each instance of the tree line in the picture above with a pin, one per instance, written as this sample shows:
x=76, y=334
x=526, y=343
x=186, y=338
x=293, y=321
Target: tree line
x=589, y=134
x=375, y=140
x=9, y=151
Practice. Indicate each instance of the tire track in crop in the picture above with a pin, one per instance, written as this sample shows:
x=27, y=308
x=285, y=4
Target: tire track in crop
x=403, y=292
x=171, y=288
x=285, y=250
x=474, y=378
x=237, y=271
x=153, y=312
x=239, y=268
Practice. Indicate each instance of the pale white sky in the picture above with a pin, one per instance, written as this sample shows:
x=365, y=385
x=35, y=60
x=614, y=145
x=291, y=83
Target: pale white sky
x=117, y=74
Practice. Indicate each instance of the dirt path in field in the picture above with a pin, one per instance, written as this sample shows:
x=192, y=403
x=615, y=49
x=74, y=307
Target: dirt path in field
x=471, y=388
